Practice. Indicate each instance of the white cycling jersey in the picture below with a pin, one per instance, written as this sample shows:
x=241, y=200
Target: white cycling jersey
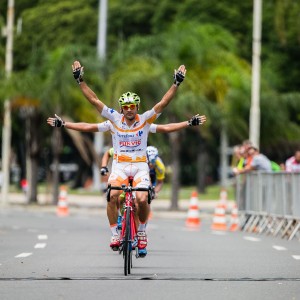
x=129, y=142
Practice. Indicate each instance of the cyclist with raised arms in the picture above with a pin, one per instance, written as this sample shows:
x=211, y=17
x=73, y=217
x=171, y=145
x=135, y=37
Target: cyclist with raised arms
x=129, y=135
x=88, y=127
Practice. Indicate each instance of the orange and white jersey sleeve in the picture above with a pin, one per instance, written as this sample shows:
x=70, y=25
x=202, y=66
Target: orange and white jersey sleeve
x=153, y=128
x=104, y=126
x=129, y=142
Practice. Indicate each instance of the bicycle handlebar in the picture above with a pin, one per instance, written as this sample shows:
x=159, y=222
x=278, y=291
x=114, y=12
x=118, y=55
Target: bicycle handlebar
x=128, y=189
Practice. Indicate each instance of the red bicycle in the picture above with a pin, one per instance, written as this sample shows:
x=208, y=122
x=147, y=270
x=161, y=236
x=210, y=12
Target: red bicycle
x=128, y=236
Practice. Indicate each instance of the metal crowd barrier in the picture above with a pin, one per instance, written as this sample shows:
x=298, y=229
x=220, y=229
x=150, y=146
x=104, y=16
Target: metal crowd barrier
x=269, y=202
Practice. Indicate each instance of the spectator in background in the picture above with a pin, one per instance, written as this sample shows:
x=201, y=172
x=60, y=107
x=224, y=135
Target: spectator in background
x=244, y=150
x=292, y=164
x=238, y=158
x=259, y=162
x=275, y=166
x=282, y=167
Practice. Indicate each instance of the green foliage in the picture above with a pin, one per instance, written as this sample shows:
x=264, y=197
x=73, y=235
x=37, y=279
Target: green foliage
x=59, y=23
x=236, y=17
x=130, y=17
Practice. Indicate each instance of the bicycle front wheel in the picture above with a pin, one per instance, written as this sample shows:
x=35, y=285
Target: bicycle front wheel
x=127, y=243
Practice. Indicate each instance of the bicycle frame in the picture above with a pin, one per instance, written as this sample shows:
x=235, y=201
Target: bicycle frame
x=128, y=209
x=129, y=230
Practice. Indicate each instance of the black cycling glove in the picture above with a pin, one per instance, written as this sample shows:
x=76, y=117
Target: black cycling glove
x=58, y=121
x=195, y=121
x=178, y=77
x=78, y=74
x=103, y=171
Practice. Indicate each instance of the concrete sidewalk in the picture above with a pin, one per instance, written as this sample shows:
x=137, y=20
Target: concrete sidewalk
x=97, y=204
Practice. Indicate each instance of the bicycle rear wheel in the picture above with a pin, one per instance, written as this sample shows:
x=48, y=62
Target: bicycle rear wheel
x=127, y=244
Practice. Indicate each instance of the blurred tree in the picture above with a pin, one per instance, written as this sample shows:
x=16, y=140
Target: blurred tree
x=129, y=17
x=282, y=44
x=236, y=18
x=63, y=97
x=59, y=23
x=47, y=87
x=23, y=90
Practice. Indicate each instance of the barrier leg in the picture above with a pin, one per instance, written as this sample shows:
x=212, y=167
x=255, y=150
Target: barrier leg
x=264, y=224
x=248, y=223
x=253, y=227
x=279, y=227
x=289, y=224
x=297, y=227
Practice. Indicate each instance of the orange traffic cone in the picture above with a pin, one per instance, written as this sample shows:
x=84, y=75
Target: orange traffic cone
x=234, y=220
x=193, y=219
x=219, y=219
x=62, y=205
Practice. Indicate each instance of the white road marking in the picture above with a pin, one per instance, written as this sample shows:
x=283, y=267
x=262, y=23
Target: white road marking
x=296, y=257
x=251, y=239
x=219, y=232
x=42, y=237
x=40, y=245
x=279, y=248
x=23, y=255
x=190, y=229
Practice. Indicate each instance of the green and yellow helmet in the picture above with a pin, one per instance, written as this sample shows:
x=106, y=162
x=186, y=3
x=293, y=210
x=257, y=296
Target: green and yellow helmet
x=128, y=98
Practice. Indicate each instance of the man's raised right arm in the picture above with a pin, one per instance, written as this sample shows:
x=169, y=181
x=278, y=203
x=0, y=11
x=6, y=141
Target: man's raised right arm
x=57, y=121
x=87, y=92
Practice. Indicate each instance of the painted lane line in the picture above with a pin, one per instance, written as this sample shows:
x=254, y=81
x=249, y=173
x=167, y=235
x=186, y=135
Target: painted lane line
x=251, y=239
x=43, y=237
x=219, y=232
x=40, y=246
x=189, y=229
x=23, y=255
x=296, y=257
x=279, y=248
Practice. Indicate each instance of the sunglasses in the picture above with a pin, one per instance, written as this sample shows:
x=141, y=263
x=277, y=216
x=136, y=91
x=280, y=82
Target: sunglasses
x=131, y=106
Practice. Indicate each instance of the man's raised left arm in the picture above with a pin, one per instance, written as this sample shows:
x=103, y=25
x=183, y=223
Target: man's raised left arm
x=179, y=76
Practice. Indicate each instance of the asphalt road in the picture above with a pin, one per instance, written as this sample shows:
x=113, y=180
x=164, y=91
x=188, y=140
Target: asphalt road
x=43, y=256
